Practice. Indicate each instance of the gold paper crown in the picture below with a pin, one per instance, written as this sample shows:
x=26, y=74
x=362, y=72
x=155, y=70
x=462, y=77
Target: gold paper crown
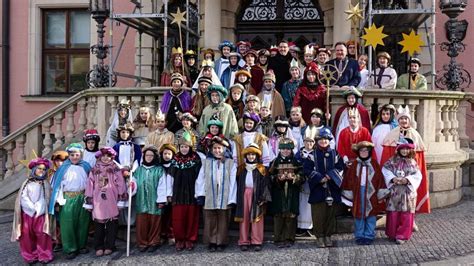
x=309, y=49
x=207, y=63
x=267, y=104
x=178, y=50
x=403, y=112
x=190, y=52
x=160, y=116
x=353, y=112
x=124, y=103
x=294, y=63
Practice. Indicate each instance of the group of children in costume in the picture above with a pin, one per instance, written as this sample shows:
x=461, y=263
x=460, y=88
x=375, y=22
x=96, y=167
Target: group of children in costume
x=238, y=157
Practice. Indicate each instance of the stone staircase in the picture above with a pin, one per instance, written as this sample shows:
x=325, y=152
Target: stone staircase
x=63, y=125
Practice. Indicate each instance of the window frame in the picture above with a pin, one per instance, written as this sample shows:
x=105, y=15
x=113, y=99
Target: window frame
x=67, y=51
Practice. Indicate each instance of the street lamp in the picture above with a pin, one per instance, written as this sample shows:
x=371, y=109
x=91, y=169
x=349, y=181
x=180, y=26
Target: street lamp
x=455, y=76
x=99, y=75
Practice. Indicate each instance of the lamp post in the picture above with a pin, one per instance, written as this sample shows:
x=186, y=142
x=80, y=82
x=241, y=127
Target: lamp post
x=455, y=76
x=99, y=75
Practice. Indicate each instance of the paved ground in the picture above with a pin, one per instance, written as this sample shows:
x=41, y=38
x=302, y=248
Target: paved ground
x=446, y=238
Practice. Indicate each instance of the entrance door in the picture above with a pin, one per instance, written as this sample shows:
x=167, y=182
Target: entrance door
x=265, y=22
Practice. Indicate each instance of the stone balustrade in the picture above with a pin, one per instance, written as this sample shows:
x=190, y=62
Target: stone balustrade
x=438, y=116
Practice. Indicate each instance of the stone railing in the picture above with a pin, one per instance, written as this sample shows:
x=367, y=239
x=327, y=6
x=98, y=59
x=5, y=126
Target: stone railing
x=438, y=116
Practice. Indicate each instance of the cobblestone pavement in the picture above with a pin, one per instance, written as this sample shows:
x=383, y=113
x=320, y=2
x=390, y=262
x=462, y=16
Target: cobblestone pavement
x=446, y=234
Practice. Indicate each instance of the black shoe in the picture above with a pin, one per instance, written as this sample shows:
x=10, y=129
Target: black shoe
x=71, y=256
x=220, y=248
x=83, y=251
x=143, y=249
x=153, y=248
x=360, y=241
x=257, y=248
x=244, y=248
x=57, y=248
x=368, y=241
x=212, y=247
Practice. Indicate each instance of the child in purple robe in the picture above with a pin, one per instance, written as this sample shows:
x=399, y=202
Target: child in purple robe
x=175, y=102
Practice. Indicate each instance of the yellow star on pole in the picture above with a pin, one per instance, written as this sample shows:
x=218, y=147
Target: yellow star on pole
x=354, y=13
x=178, y=17
x=27, y=161
x=374, y=36
x=411, y=43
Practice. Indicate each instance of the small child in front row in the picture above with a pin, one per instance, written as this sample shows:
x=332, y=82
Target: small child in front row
x=253, y=194
x=402, y=177
x=216, y=186
x=33, y=227
x=105, y=189
x=363, y=182
x=151, y=196
x=324, y=178
x=286, y=176
x=266, y=120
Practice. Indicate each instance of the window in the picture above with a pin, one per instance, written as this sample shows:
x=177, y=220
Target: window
x=65, y=50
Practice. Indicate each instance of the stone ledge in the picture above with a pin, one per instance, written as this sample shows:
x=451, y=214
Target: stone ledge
x=445, y=198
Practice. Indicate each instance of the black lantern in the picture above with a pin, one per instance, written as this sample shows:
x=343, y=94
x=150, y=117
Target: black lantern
x=455, y=76
x=100, y=75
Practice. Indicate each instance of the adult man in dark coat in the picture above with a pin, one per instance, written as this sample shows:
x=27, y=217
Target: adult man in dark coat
x=280, y=64
x=348, y=68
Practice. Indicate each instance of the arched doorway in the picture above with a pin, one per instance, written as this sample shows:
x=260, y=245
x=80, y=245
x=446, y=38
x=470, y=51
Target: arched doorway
x=264, y=22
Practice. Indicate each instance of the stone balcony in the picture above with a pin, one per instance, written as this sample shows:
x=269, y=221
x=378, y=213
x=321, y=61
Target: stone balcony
x=439, y=115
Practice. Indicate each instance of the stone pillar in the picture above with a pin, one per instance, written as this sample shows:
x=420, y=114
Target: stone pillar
x=342, y=27
x=212, y=23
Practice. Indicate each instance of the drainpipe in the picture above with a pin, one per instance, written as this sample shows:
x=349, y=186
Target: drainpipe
x=5, y=68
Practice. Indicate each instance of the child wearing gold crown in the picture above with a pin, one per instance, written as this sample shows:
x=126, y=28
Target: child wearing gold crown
x=286, y=175
x=270, y=93
x=352, y=96
x=175, y=65
x=143, y=125
x=161, y=135
x=352, y=134
x=33, y=226
x=266, y=120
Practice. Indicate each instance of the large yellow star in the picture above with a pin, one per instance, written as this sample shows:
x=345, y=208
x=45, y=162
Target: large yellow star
x=374, y=36
x=354, y=13
x=411, y=43
x=27, y=161
x=178, y=17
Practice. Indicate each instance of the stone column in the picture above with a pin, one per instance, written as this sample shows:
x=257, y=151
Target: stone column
x=342, y=27
x=212, y=23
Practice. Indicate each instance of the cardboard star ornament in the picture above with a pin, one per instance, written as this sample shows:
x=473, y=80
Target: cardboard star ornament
x=178, y=17
x=374, y=36
x=354, y=13
x=411, y=43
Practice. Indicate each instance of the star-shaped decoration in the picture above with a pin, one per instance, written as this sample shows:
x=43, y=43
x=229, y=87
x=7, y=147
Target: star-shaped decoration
x=374, y=36
x=354, y=13
x=178, y=17
x=27, y=161
x=411, y=43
